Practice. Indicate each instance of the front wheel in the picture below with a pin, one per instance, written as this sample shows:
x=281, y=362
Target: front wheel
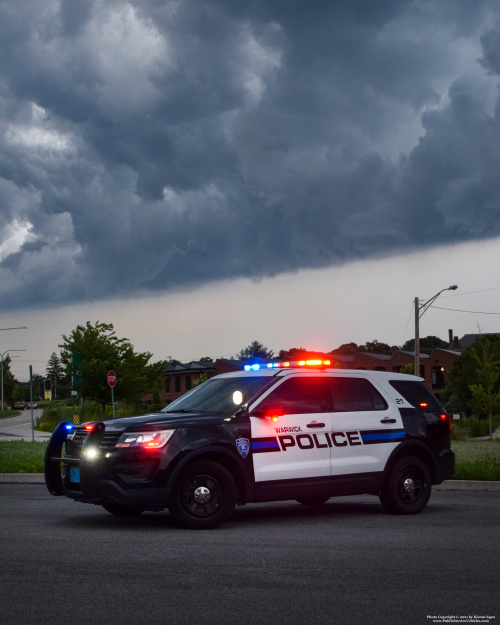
x=407, y=487
x=204, y=496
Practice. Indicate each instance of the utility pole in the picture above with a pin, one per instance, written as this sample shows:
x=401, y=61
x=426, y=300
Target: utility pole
x=31, y=406
x=417, y=340
x=420, y=309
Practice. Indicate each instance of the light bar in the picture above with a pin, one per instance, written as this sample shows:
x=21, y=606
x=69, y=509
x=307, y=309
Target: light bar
x=281, y=365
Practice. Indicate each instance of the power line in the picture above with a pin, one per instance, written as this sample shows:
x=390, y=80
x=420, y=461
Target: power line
x=495, y=288
x=474, y=312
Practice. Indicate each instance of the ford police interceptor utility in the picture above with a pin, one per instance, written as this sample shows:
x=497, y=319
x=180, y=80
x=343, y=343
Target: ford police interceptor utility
x=273, y=432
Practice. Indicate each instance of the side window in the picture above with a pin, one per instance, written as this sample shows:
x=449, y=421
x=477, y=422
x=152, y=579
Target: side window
x=301, y=396
x=355, y=394
x=416, y=394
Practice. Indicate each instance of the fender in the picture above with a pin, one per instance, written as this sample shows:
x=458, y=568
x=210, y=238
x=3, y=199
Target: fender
x=411, y=442
x=248, y=486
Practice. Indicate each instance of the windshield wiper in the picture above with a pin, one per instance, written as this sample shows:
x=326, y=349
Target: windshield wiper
x=185, y=410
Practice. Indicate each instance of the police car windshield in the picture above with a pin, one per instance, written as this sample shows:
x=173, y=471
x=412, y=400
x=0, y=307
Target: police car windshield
x=217, y=395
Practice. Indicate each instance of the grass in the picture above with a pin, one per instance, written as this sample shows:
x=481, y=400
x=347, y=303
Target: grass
x=21, y=457
x=8, y=413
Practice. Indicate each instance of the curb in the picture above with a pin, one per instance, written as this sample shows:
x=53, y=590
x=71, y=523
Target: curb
x=22, y=478
x=470, y=485
x=464, y=485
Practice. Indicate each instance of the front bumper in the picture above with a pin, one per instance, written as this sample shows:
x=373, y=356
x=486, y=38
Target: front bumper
x=132, y=478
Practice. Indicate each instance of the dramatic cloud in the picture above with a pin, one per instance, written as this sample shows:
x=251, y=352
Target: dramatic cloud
x=151, y=145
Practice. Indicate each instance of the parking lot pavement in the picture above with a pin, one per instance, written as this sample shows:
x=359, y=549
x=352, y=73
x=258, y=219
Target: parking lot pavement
x=347, y=562
x=18, y=428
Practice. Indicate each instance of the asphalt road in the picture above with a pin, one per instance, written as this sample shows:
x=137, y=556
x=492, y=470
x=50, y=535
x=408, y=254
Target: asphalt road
x=280, y=563
x=14, y=428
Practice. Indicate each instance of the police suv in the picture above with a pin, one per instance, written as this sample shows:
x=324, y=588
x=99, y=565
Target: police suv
x=273, y=432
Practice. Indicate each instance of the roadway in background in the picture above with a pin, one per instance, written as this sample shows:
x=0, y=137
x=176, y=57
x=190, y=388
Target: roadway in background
x=345, y=563
x=18, y=428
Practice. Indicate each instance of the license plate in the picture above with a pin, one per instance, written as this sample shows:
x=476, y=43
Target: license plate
x=74, y=475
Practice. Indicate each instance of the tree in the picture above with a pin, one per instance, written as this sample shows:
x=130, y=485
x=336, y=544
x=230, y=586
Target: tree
x=206, y=359
x=484, y=398
x=427, y=344
x=457, y=394
x=200, y=379
x=21, y=393
x=294, y=353
x=409, y=369
x=374, y=347
x=9, y=380
x=346, y=349
x=254, y=350
x=55, y=372
x=91, y=351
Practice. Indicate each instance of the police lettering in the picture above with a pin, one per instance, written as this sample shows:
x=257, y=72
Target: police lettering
x=295, y=428
x=308, y=441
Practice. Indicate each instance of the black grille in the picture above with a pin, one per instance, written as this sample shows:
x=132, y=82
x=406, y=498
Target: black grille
x=109, y=440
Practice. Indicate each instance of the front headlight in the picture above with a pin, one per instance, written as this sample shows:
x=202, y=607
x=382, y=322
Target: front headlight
x=150, y=440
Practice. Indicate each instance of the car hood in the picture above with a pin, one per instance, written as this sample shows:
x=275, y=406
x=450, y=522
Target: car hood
x=165, y=421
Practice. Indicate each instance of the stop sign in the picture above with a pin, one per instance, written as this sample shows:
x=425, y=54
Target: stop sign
x=111, y=378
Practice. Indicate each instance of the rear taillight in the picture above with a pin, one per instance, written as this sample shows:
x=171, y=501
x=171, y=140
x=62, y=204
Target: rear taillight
x=446, y=418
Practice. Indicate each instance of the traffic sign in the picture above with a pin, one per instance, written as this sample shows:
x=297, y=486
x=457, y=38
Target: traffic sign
x=111, y=378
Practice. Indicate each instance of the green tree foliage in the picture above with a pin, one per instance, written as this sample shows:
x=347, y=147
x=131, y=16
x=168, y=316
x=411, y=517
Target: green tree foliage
x=427, y=344
x=55, y=373
x=91, y=351
x=375, y=347
x=485, y=394
x=9, y=380
x=409, y=369
x=294, y=353
x=457, y=395
x=200, y=379
x=206, y=359
x=254, y=350
x=346, y=349
x=21, y=393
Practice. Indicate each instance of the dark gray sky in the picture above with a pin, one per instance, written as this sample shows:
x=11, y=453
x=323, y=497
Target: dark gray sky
x=151, y=147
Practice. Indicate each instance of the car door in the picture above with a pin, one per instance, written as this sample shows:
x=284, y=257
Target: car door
x=296, y=445
x=365, y=427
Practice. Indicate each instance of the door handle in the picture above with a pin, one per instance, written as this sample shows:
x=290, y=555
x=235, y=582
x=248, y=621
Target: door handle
x=387, y=420
x=315, y=424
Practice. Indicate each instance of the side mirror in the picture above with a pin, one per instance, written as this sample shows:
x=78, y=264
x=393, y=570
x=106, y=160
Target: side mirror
x=269, y=409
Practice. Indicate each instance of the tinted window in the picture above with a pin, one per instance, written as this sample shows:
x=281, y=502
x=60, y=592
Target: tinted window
x=355, y=394
x=301, y=396
x=416, y=393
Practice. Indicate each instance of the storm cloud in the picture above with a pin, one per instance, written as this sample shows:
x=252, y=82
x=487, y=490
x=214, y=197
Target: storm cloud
x=150, y=145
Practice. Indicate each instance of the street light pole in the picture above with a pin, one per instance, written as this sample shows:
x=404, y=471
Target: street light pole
x=420, y=309
x=1, y=358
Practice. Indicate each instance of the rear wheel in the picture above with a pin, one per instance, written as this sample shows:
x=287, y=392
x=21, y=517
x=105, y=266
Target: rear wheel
x=407, y=487
x=313, y=501
x=118, y=510
x=204, y=496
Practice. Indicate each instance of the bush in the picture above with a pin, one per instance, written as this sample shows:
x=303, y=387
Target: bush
x=479, y=427
x=9, y=413
x=90, y=411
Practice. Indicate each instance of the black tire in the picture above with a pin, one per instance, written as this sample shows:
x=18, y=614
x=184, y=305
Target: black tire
x=407, y=487
x=186, y=503
x=313, y=501
x=118, y=510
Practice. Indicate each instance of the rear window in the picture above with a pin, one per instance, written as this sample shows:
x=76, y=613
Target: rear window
x=416, y=394
x=355, y=394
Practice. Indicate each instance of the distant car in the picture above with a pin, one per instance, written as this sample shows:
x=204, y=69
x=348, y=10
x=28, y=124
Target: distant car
x=18, y=406
x=32, y=405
